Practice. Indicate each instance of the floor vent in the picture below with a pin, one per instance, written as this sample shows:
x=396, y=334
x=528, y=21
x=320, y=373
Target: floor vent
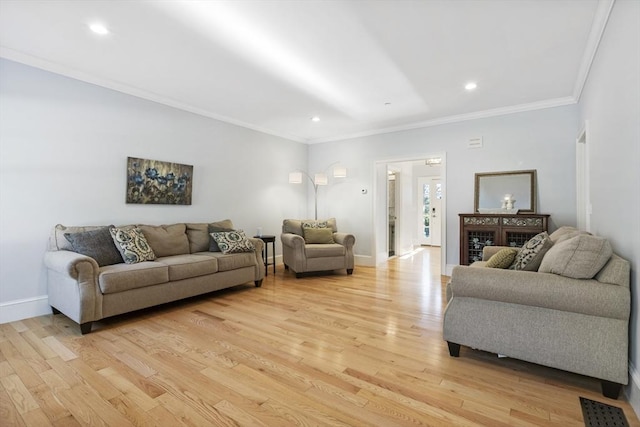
x=598, y=414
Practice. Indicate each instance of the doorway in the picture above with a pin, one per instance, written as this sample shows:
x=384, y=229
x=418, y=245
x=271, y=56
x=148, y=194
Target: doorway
x=391, y=205
x=429, y=197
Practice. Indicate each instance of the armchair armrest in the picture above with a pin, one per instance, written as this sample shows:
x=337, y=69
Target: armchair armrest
x=345, y=239
x=292, y=240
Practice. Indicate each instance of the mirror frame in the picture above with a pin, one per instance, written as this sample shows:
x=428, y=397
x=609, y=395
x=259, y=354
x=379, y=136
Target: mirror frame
x=532, y=188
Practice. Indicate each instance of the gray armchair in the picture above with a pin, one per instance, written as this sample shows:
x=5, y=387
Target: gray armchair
x=315, y=245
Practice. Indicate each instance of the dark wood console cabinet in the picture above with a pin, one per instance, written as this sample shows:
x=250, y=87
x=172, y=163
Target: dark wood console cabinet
x=480, y=230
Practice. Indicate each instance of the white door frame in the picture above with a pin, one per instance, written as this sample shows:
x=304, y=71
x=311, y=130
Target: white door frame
x=380, y=213
x=583, y=200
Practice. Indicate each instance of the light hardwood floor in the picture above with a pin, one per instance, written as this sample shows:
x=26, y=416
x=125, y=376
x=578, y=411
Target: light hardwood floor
x=338, y=350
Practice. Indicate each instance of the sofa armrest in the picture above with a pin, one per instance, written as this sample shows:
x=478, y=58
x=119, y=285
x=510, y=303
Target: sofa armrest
x=69, y=263
x=546, y=290
x=345, y=239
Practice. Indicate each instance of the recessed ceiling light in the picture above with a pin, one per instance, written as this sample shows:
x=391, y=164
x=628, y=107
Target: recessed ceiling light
x=470, y=86
x=99, y=29
x=315, y=119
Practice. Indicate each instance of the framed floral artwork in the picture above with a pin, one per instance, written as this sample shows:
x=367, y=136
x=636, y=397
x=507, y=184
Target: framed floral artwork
x=158, y=182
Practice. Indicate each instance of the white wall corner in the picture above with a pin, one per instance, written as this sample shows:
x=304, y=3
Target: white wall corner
x=632, y=391
x=12, y=311
x=449, y=269
x=364, y=260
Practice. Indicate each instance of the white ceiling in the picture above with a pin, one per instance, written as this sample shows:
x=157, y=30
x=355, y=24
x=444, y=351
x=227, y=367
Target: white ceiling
x=271, y=65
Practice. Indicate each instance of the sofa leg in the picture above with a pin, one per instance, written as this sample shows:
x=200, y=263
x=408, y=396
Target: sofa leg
x=611, y=389
x=349, y=270
x=55, y=310
x=258, y=283
x=286, y=267
x=454, y=349
x=85, y=328
x=298, y=275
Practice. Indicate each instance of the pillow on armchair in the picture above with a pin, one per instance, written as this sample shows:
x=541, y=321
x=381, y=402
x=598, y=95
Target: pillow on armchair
x=318, y=235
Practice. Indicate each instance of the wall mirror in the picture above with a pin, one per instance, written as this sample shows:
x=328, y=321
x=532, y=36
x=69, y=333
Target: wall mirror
x=494, y=188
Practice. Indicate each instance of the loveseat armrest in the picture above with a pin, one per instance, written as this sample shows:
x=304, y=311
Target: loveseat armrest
x=345, y=239
x=489, y=251
x=70, y=263
x=546, y=290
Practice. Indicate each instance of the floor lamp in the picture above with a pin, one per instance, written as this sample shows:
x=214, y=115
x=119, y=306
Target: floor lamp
x=317, y=180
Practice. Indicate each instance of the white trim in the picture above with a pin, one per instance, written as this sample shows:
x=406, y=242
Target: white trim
x=43, y=64
x=595, y=35
x=634, y=374
x=364, y=260
x=19, y=309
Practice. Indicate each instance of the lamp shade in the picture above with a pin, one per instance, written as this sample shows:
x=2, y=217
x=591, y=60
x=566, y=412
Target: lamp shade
x=295, y=177
x=320, y=179
x=339, y=172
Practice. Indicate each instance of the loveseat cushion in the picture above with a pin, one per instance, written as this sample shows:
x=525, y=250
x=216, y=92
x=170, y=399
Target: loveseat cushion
x=532, y=253
x=324, y=250
x=232, y=261
x=187, y=266
x=579, y=257
x=166, y=240
x=123, y=277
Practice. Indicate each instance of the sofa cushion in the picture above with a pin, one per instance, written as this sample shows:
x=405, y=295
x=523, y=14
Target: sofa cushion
x=232, y=261
x=58, y=241
x=579, y=257
x=132, y=245
x=187, y=266
x=502, y=259
x=531, y=254
x=231, y=242
x=295, y=226
x=217, y=227
x=166, y=240
x=96, y=244
x=198, y=235
x=324, y=250
x=123, y=277
x=565, y=232
x=318, y=235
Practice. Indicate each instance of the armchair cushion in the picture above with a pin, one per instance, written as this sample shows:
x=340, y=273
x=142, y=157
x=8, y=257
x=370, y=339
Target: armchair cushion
x=318, y=235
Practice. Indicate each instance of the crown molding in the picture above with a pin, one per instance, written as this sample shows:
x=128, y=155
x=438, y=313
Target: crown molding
x=56, y=68
x=548, y=103
x=598, y=26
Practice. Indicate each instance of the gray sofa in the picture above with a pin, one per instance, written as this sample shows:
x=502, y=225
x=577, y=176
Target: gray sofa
x=572, y=314
x=326, y=250
x=187, y=263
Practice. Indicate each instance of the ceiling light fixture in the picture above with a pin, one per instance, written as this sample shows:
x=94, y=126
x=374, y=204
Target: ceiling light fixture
x=315, y=119
x=470, y=86
x=99, y=29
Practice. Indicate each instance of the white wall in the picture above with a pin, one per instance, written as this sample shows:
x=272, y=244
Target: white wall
x=543, y=140
x=610, y=103
x=63, y=150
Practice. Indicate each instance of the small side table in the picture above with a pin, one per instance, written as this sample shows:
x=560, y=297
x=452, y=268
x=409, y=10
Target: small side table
x=266, y=238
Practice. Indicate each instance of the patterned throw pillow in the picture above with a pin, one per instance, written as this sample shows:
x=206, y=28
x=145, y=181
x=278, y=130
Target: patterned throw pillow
x=216, y=228
x=231, y=242
x=502, y=259
x=318, y=235
x=96, y=244
x=314, y=224
x=532, y=252
x=132, y=245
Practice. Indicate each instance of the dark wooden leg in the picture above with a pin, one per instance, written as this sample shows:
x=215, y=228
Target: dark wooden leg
x=610, y=389
x=298, y=275
x=258, y=283
x=85, y=328
x=349, y=270
x=454, y=349
x=286, y=267
x=55, y=310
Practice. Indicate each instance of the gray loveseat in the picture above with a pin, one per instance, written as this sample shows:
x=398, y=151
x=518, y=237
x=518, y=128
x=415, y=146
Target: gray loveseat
x=186, y=263
x=316, y=245
x=572, y=314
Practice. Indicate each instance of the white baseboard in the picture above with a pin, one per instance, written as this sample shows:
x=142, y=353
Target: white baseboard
x=364, y=260
x=24, y=308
